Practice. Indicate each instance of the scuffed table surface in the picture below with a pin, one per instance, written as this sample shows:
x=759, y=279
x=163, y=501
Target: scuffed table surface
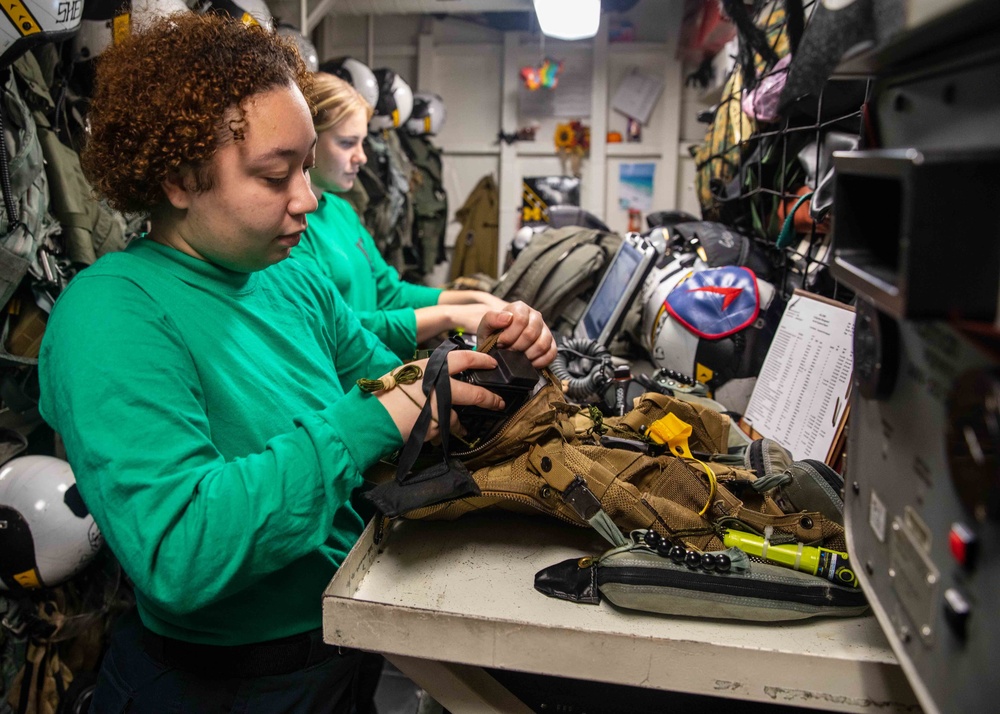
x=463, y=592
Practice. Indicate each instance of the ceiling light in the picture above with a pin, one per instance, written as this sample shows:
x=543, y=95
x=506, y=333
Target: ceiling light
x=568, y=19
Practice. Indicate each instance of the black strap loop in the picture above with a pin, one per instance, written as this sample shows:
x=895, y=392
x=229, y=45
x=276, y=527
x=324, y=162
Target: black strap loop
x=438, y=380
x=440, y=482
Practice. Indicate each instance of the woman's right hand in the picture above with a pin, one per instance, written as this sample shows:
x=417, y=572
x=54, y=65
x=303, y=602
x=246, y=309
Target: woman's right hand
x=468, y=317
x=405, y=401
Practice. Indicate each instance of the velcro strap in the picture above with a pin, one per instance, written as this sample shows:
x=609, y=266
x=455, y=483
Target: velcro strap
x=575, y=493
x=550, y=468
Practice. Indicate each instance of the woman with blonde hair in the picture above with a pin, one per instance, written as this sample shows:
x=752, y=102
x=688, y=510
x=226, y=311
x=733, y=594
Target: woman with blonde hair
x=337, y=245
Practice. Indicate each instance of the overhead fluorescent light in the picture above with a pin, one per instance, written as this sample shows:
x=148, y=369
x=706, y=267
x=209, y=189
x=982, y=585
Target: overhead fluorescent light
x=568, y=19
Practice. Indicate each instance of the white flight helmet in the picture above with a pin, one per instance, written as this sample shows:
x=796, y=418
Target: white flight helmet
x=357, y=74
x=31, y=22
x=428, y=115
x=250, y=12
x=727, y=366
x=307, y=50
x=395, y=101
x=47, y=535
x=658, y=285
x=145, y=11
x=106, y=22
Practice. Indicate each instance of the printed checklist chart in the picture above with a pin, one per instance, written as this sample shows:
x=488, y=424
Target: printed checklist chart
x=800, y=398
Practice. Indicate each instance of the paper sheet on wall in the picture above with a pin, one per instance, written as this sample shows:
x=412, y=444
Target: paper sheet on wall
x=800, y=398
x=637, y=95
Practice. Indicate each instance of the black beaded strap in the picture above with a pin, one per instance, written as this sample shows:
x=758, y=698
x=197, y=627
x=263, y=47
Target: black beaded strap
x=718, y=562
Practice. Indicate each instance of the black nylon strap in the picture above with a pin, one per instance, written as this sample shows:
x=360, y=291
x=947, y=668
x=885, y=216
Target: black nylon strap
x=442, y=481
x=438, y=380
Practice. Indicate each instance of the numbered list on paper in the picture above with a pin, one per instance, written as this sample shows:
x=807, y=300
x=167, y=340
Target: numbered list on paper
x=801, y=393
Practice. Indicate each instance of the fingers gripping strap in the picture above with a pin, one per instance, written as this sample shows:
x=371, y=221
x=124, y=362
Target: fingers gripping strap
x=437, y=366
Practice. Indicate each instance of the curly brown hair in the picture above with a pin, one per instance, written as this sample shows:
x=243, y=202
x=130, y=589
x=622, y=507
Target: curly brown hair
x=162, y=101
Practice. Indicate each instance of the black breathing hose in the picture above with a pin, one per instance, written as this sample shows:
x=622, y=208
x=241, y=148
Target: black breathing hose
x=8, y=192
x=584, y=366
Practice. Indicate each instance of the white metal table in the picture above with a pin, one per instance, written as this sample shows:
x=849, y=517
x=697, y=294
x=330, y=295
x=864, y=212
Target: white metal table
x=442, y=600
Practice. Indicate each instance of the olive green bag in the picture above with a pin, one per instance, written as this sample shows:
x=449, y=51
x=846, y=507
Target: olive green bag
x=727, y=585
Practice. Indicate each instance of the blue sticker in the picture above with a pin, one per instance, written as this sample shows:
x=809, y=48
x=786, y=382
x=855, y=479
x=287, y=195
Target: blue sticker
x=716, y=303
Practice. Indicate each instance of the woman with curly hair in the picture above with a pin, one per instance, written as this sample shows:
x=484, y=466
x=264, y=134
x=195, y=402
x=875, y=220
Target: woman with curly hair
x=204, y=386
x=337, y=245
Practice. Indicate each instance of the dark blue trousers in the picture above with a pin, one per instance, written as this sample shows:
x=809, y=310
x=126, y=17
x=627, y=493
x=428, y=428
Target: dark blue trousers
x=134, y=680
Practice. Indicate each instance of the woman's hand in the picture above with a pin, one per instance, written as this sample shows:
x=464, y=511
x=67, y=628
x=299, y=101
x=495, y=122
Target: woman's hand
x=468, y=297
x=405, y=401
x=468, y=317
x=523, y=329
x=491, y=301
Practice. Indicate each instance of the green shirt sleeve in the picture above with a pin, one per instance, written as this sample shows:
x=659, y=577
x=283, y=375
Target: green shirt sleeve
x=396, y=328
x=394, y=292
x=189, y=526
x=336, y=245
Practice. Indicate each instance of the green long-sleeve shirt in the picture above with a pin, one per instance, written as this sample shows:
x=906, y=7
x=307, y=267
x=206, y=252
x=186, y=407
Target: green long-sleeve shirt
x=216, y=434
x=338, y=246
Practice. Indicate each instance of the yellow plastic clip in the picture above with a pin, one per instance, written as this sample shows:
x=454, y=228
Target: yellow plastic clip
x=674, y=432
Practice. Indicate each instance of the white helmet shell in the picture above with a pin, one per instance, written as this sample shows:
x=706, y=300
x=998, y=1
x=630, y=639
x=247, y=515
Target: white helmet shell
x=106, y=22
x=250, y=12
x=47, y=535
x=32, y=22
x=395, y=101
x=145, y=11
x=307, y=50
x=429, y=115
x=714, y=362
x=357, y=74
x=668, y=344
x=94, y=37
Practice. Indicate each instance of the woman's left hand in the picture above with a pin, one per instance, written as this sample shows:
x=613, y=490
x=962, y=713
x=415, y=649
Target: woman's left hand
x=472, y=297
x=521, y=328
x=491, y=301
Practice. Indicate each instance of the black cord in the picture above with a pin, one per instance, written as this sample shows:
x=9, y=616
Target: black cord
x=582, y=386
x=8, y=191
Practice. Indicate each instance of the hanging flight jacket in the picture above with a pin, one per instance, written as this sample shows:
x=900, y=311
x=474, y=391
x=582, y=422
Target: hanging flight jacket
x=382, y=200
x=478, y=239
x=25, y=223
x=56, y=638
x=13, y=646
x=430, y=202
x=47, y=249
x=89, y=229
x=357, y=196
